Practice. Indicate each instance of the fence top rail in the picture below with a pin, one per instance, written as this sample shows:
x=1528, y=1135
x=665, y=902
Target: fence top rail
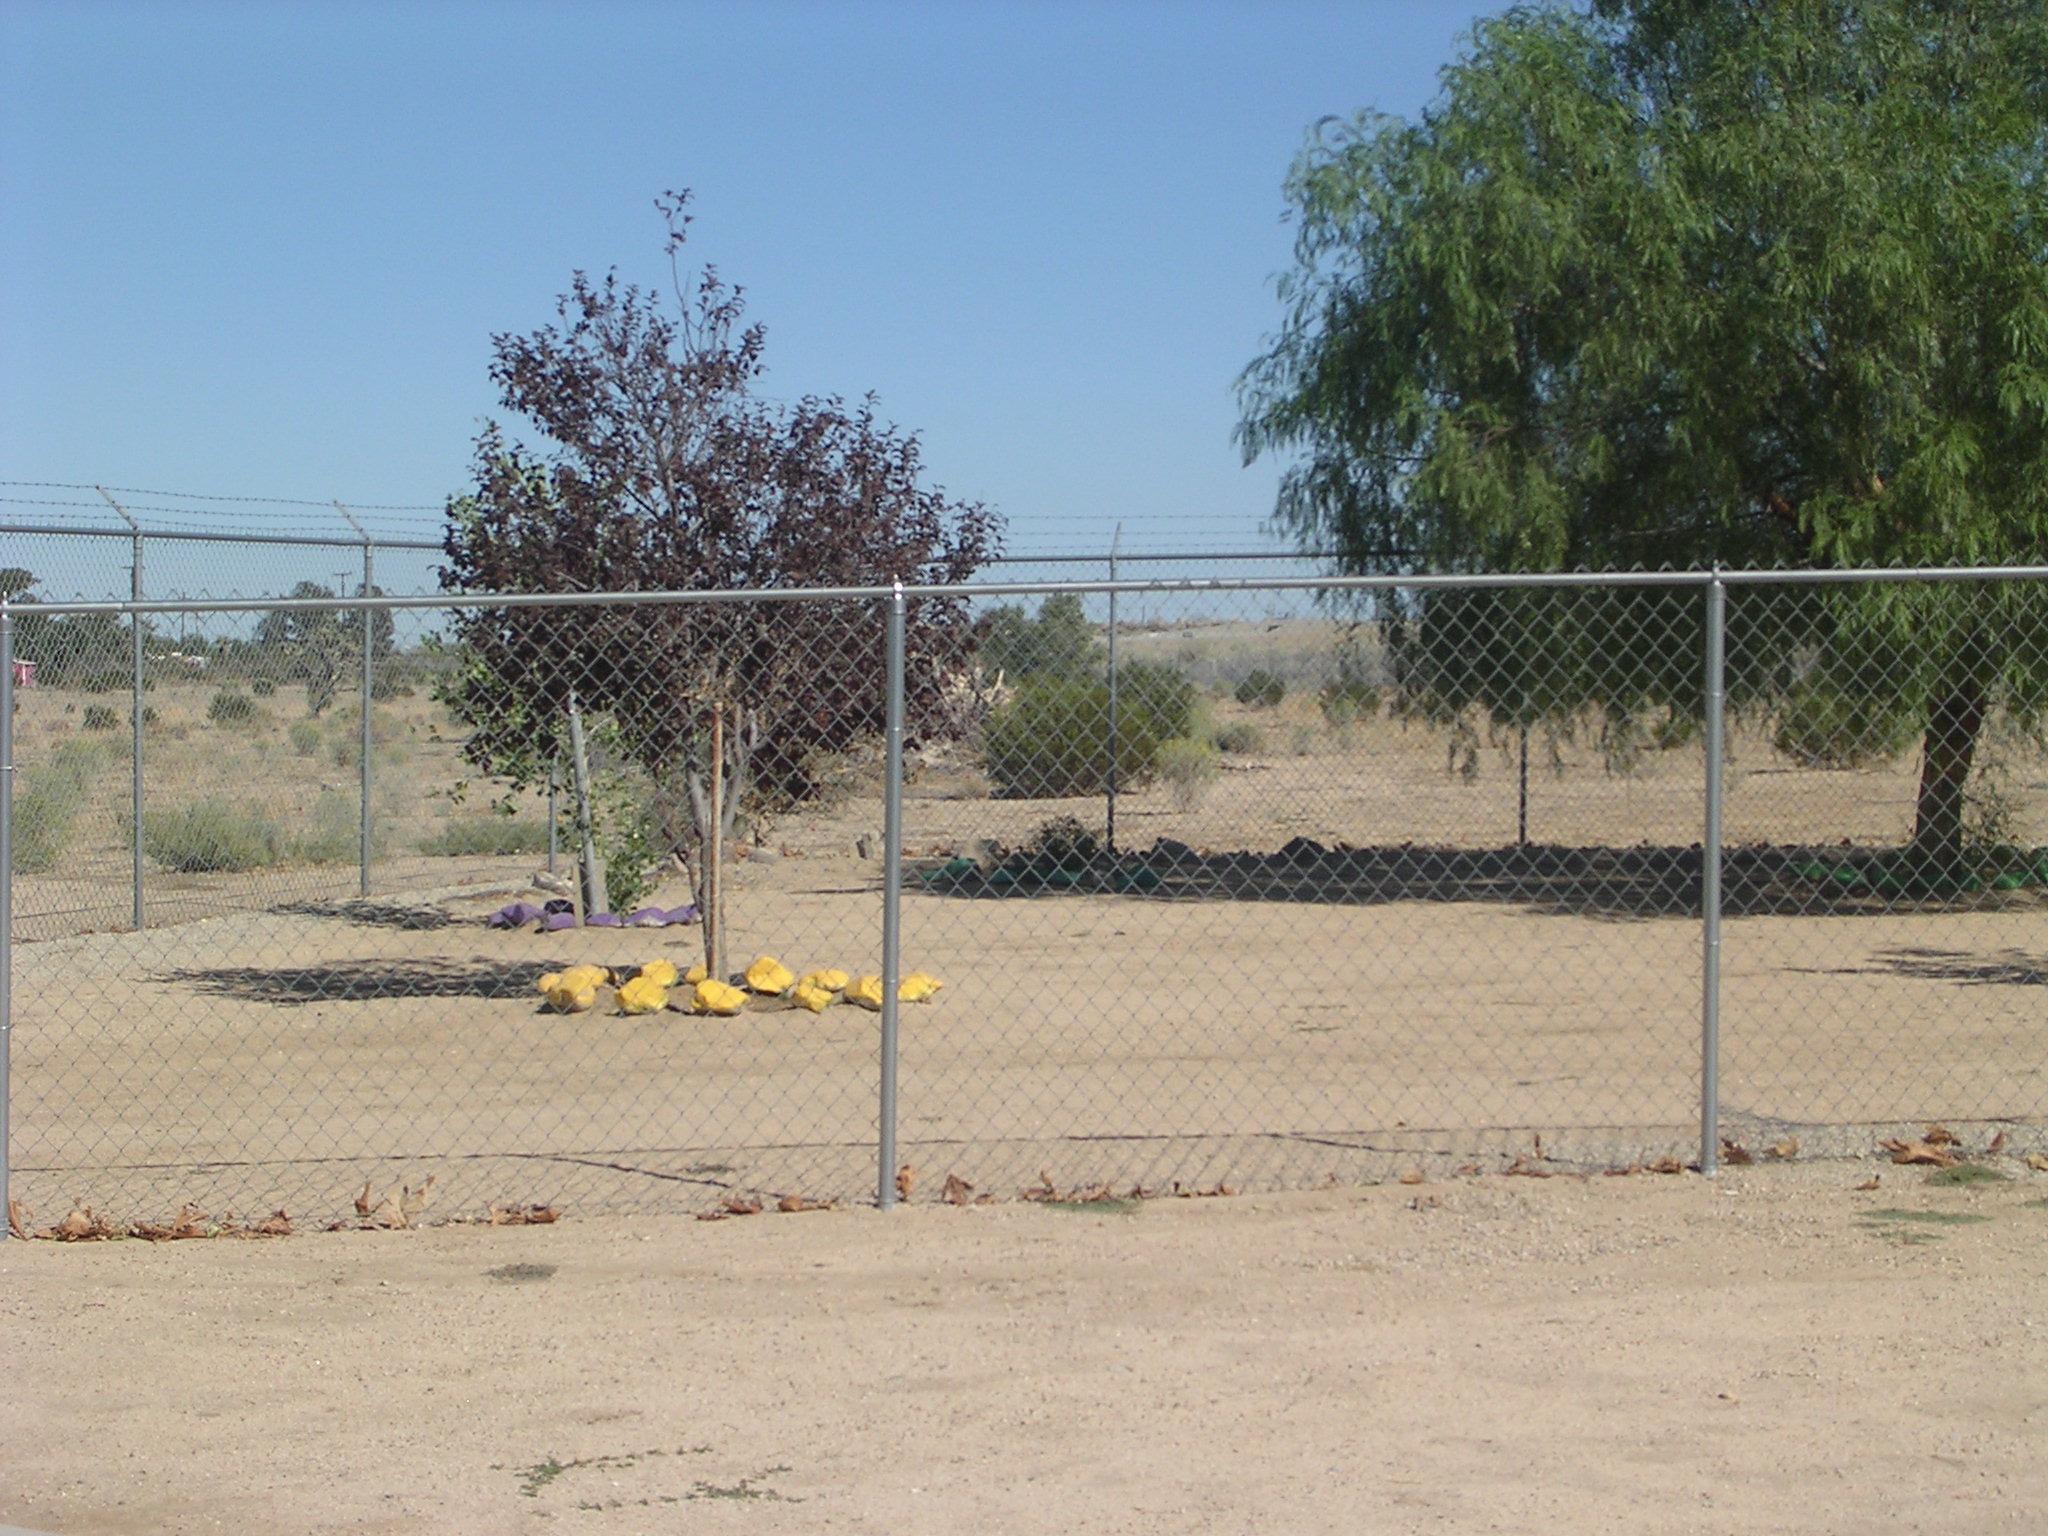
x=312, y=540
x=987, y=589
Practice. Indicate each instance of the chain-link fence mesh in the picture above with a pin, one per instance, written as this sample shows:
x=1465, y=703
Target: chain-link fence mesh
x=1245, y=885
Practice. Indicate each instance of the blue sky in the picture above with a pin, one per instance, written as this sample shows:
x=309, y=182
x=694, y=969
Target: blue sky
x=260, y=249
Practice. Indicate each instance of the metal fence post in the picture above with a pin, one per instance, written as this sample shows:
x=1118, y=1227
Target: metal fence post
x=6, y=902
x=1109, y=829
x=892, y=903
x=1710, y=876
x=135, y=706
x=365, y=775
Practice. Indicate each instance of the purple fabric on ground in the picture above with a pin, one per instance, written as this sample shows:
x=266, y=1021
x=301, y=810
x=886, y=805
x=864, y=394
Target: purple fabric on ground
x=604, y=920
x=518, y=915
x=555, y=922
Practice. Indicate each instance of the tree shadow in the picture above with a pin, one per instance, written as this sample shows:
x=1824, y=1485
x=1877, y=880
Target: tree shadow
x=356, y=981
x=2009, y=968
x=1616, y=883
x=371, y=914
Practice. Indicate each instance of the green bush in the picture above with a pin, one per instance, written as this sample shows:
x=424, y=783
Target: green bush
x=1241, y=736
x=1051, y=740
x=1187, y=768
x=212, y=836
x=231, y=708
x=1261, y=689
x=1348, y=700
x=332, y=833
x=100, y=717
x=263, y=687
x=1819, y=728
x=487, y=835
x=304, y=736
x=47, y=801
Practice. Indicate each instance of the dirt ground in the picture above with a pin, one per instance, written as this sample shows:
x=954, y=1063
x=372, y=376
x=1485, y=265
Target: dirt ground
x=1775, y=1350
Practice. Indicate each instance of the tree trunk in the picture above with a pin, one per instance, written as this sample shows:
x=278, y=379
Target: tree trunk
x=1953, y=726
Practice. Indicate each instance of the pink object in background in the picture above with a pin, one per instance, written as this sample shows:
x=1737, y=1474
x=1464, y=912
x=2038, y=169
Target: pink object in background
x=24, y=674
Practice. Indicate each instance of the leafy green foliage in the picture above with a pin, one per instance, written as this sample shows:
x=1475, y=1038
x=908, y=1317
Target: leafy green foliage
x=231, y=708
x=1057, y=642
x=212, y=837
x=1052, y=739
x=1660, y=285
x=1261, y=689
x=1187, y=768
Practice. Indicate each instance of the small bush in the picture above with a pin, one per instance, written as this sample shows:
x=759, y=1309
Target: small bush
x=212, y=837
x=1240, y=736
x=1348, y=700
x=231, y=708
x=304, y=736
x=1261, y=689
x=487, y=836
x=332, y=833
x=263, y=687
x=100, y=717
x=1819, y=728
x=1063, y=843
x=47, y=801
x=1187, y=768
x=1051, y=741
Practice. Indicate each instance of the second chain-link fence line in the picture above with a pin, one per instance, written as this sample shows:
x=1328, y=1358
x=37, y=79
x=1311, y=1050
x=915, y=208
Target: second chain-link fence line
x=1244, y=884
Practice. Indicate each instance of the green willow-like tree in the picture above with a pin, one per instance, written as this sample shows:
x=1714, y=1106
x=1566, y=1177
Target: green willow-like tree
x=1655, y=285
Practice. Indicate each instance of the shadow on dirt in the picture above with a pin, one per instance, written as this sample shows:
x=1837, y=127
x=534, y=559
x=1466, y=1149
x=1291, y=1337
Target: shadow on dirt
x=355, y=981
x=2009, y=968
x=372, y=914
x=1616, y=883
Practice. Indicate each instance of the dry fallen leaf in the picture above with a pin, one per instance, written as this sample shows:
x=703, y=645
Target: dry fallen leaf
x=958, y=1190
x=1940, y=1136
x=412, y=1201
x=736, y=1206
x=2038, y=1162
x=1622, y=1173
x=1997, y=1145
x=1523, y=1168
x=1920, y=1152
x=1783, y=1151
x=1872, y=1182
x=276, y=1224
x=364, y=1205
x=795, y=1203
x=1667, y=1165
x=1413, y=1176
x=18, y=1216
x=1735, y=1152
x=906, y=1181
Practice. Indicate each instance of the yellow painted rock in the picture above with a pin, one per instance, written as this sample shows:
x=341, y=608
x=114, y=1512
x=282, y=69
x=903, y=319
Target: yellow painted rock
x=695, y=974
x=564, y=997
x=660, y=972
x=918, y=987
x=826, y=981
x=867, y=992
x=576, y=978
x=812, y=996
x=643, y=994
x=714, y=996
x=770, y=976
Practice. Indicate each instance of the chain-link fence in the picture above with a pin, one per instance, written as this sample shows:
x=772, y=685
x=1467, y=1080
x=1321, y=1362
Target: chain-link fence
x=1247, y=884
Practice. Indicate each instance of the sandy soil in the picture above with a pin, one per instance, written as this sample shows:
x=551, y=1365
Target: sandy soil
x=1773, y=1351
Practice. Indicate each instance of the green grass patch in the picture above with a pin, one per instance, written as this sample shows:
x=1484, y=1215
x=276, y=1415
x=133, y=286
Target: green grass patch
x=486, y=835
x=1114, y=1206
x=1969, y=1173
x=1899, y=1225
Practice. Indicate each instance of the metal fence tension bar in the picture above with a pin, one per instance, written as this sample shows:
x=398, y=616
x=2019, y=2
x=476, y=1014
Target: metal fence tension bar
x=1715, y=710
x=7, y=904
x=892, y=901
